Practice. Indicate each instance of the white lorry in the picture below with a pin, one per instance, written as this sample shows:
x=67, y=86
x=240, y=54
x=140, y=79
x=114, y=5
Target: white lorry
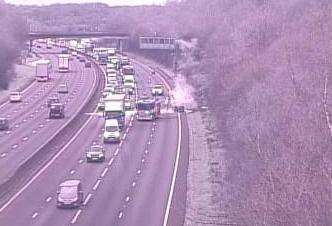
x=63, y=63
x=115, y=108
x=43, y=69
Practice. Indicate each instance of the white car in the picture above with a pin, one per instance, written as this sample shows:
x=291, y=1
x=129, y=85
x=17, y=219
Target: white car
x=63, y=88
x=95, y=153
x=112, y=131
x=157, y=90
x=15, y=97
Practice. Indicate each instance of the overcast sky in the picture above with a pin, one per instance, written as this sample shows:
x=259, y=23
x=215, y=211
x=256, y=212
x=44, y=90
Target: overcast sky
x=109, y=2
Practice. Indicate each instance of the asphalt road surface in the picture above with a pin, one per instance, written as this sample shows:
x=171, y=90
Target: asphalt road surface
x=135, y=184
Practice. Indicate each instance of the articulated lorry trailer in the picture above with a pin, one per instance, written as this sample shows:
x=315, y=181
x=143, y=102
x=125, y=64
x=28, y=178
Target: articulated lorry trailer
x=43, y=70
x=63, y=63
x=115, y=109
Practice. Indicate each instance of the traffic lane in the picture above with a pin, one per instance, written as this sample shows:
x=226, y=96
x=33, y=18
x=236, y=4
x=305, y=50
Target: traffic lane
x=107, y=200
x=22, y=147
x=21, y=112
x=40, y=196
x=36, y=116
x=148, y=199
x=12, y=110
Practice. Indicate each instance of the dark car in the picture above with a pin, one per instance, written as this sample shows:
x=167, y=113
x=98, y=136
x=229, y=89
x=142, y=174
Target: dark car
x=4, y=124
x=82, y=59
x=87, y=64
x=52, y=100
x=70, y=194
x=57, y=110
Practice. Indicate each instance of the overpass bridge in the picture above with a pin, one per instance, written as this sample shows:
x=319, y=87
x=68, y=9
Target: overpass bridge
x=121, y=39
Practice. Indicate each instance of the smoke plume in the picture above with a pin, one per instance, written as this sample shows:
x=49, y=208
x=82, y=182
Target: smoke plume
x=12, y=38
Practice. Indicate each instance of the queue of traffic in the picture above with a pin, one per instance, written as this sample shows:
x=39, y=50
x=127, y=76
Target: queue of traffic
x=118, y=101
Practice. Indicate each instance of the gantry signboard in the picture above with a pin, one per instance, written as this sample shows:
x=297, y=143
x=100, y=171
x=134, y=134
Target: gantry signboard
x=153, y=42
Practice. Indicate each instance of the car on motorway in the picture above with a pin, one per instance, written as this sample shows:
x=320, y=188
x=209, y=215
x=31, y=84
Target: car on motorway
x=4, y=124
x=87, y=64
x=112, y=132
x=128, y=104
x=157, y=90
x=52, y=100
x=95, y=153
x=101, y=105
x=57, y=110
x=63, y=88
x=15, y=97
x=70, y=194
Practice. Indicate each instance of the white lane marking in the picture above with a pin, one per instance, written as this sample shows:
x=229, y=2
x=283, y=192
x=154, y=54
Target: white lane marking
x=151, y=135
x=127, y=199
x=116, y=152
x=111, y=161
x=124, y=136
x=17, y=125
x=143, y=160
x=146, y=151
x=127, y=131
x=3, y=155
x=104, y=172
x=86, y=200
x=76, y=216
x=80, y=161
x=41, y=126
x=49, y=199
x=149, y=142
x=25, y=138
x=176, y=166
x=120, y=215
x=72, y=172
x=34, y=215
x=8, y=132
x=96, y=185
x=42, y=170
x=139, y=171
x=133, y=184
x=34, y=131
x=24, y=120
x=14, y=146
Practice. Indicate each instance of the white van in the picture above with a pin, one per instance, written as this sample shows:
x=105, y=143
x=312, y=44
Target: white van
x=112, y=131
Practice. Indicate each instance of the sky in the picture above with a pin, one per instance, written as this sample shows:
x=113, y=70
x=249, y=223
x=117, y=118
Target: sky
x=109, y=2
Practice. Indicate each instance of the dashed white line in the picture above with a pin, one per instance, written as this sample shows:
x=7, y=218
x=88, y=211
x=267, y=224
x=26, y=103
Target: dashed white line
x=149, y=142
x=96, y=185
x=146, y=151
x=111, y=161
x=14, y=146
x=143, y=160
x=124, y=136
x=72, y=172
x=3, y=155
x=34, y=131
x=76, y=216
x=139, y=171
x=127, y=199
x=81, y=161
x=41, y=125
x=104, y=172
x=49, y=199
x=86, y=200
x=25, y=138
x=17, y=125
x=120, y=215
x=116, y=152
x=133, y=184
x=34, y=215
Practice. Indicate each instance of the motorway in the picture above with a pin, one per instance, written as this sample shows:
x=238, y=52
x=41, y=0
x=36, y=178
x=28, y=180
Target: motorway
x=134, y=186
x=30, y=125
